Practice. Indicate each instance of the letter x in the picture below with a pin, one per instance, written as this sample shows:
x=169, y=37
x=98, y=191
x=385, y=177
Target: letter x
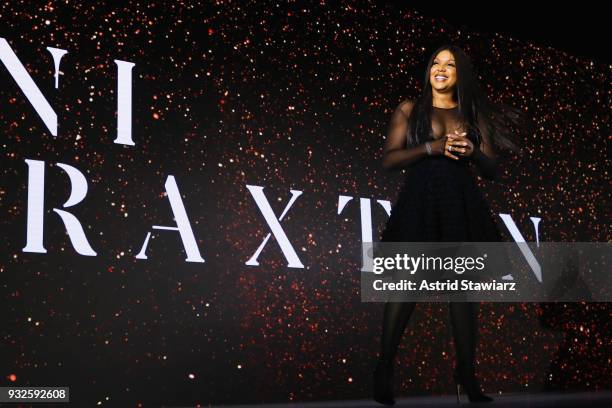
x=285, y=246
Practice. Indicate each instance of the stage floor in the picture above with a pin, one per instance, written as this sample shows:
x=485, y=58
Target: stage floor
x=601, y=399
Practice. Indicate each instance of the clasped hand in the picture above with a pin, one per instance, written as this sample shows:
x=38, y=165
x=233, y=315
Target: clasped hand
x=457, y=143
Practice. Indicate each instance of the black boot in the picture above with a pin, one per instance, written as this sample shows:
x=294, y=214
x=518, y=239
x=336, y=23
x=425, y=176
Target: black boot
x=465, y=331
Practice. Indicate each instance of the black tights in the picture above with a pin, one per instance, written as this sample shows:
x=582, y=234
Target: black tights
x=463, y=320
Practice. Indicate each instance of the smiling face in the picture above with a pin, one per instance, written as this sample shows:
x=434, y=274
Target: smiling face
x=443, y=73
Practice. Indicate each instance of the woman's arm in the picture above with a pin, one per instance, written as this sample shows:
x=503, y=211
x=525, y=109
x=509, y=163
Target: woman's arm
x=485, y=157
x=395, y=153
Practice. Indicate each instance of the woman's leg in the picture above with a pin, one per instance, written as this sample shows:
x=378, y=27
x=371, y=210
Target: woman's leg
x=465, y=331
x=395, y=318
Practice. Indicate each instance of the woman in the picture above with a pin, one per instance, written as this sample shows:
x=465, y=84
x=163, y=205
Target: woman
x=436, y=137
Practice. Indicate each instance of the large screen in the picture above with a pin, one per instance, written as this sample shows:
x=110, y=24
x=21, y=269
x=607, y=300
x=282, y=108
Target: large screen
x=186, y=188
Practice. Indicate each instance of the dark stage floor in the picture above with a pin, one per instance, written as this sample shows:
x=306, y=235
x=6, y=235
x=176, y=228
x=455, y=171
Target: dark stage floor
x=540, y=400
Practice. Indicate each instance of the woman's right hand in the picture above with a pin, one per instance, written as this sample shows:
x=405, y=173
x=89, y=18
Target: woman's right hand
x=440, y=146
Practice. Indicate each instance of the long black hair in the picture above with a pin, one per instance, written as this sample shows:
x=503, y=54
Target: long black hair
x=475, y=109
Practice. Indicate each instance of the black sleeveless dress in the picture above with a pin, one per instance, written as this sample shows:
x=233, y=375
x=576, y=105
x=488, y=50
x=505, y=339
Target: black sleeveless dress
x=441, y=202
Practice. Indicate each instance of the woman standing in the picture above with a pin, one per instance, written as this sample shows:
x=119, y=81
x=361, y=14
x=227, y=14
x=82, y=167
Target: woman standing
x=452, y=124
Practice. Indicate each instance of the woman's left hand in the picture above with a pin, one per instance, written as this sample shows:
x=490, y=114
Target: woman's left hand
x=467, y=147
